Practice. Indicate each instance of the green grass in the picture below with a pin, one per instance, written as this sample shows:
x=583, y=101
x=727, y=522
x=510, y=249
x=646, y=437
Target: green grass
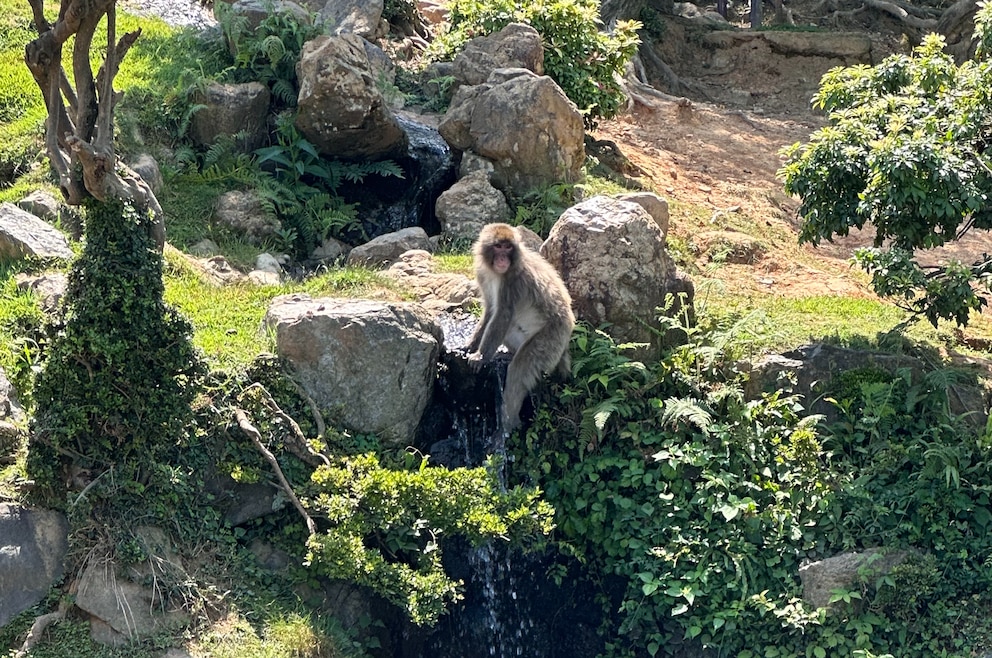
x=779, y=324
x=228, y=320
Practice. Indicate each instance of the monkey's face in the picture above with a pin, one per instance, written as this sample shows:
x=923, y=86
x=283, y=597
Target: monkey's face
x=501, y=256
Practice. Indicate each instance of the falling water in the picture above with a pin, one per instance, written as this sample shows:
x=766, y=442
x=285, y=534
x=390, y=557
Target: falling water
x=498, y=615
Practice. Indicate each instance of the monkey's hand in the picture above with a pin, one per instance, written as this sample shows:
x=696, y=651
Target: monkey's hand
x=475, y=361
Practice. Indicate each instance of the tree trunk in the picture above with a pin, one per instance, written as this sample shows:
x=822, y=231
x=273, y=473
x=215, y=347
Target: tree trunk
x=79, y=133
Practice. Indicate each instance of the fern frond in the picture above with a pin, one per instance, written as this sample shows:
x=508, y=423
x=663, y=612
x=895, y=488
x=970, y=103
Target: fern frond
x=678, y=410
x=285, y=91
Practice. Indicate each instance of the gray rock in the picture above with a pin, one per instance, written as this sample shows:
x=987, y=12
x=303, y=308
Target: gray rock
x=266, y=262
x=330, y=250
x=436, y=291
x=517, y=45
x=810, y=370
x=229, y=109
x=341, y=109
x=386, y=249
x=147, y=167
x=41, y=204
x=23, y=235
x=243, y=211
x=49, y=288
x=529, y=149
x=468, y=205
x=111, y=594
x=372, y=364
x=359, y=17
x=33, y=546
x=614, y=263
x=842, y=572
x=205, y=247
x=10, y=407
x=654, y=204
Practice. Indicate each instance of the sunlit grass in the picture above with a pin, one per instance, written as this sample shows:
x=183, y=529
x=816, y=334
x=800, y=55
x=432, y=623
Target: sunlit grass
x=454, y=264
x=289, y=635
x=228, y=319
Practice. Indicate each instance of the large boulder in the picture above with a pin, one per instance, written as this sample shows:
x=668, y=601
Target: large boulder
x=613, y=259
x=822, y=579
x=814, y=372
x=437, y=291
x=468, y=205
x=361, y=17
x=33, y=546
x=127, y=603
x=340, y=109
x=243, y=212
x=371, y=364
x=516, y=46
x=41, y=204
x=23, y=235
x=524, y=124
x=228, y=109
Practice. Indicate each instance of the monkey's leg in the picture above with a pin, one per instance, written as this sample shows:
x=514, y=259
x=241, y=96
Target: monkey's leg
x=522, y=375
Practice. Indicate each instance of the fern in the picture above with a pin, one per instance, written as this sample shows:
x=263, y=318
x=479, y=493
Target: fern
x=678, y=410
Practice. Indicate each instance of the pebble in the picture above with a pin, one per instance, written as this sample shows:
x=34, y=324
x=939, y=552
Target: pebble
x=180, y=13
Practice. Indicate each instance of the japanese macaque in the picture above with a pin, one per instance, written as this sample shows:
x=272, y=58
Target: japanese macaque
x=525, y=307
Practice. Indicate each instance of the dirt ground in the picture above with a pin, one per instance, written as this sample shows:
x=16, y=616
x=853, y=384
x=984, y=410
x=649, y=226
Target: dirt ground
x=723, y=157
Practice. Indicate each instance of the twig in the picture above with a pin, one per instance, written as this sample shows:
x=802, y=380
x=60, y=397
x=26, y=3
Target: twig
x=304, y=451
x=256, y=438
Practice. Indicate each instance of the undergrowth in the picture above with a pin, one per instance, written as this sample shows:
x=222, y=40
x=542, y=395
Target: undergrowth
x=707, y=503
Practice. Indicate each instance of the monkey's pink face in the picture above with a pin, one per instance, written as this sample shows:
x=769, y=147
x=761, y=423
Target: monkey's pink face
x=501, y=257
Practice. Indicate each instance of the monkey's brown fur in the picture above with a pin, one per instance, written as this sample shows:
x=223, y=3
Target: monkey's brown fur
x=526, y=308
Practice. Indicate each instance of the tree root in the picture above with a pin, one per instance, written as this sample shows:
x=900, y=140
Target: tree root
x=299, y=446
x=39, y=627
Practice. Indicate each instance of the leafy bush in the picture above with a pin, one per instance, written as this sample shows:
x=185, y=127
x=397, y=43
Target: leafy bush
x=585, y=62
x=388, y=526
x=119, y=371
x=905, y=153
x=706, y=503
x=268, y=52
x=302, y=187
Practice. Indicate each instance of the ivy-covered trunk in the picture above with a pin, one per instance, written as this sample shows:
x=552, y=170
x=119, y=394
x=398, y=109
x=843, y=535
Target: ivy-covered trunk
x=120, y=369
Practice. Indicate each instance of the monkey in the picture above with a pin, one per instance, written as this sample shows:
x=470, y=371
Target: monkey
x=525, y=307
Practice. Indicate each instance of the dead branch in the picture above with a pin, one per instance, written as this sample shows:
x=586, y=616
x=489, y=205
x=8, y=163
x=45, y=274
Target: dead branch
x=300, y=447
x=256, y=438
x=39, y=627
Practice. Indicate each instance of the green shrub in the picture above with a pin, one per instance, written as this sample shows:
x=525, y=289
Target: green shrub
x=584, y=61
x=119, y=372
x=388, y=526
x=706, y=503
x=268, y=53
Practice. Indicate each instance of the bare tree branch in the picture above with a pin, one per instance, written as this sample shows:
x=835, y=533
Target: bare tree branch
x=79, y=138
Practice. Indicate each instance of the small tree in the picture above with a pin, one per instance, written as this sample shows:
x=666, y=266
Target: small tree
x=79, y=134
x=120, y=370
x=906, y=153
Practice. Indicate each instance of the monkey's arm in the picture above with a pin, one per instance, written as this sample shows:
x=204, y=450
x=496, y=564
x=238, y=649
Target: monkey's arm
x=473, y=345
x=494, y=330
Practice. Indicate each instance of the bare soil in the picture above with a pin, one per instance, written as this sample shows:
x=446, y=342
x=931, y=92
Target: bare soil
x=715, y=156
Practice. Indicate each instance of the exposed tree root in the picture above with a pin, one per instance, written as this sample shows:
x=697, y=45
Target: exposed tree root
x=299, y=445
x=39, y=626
